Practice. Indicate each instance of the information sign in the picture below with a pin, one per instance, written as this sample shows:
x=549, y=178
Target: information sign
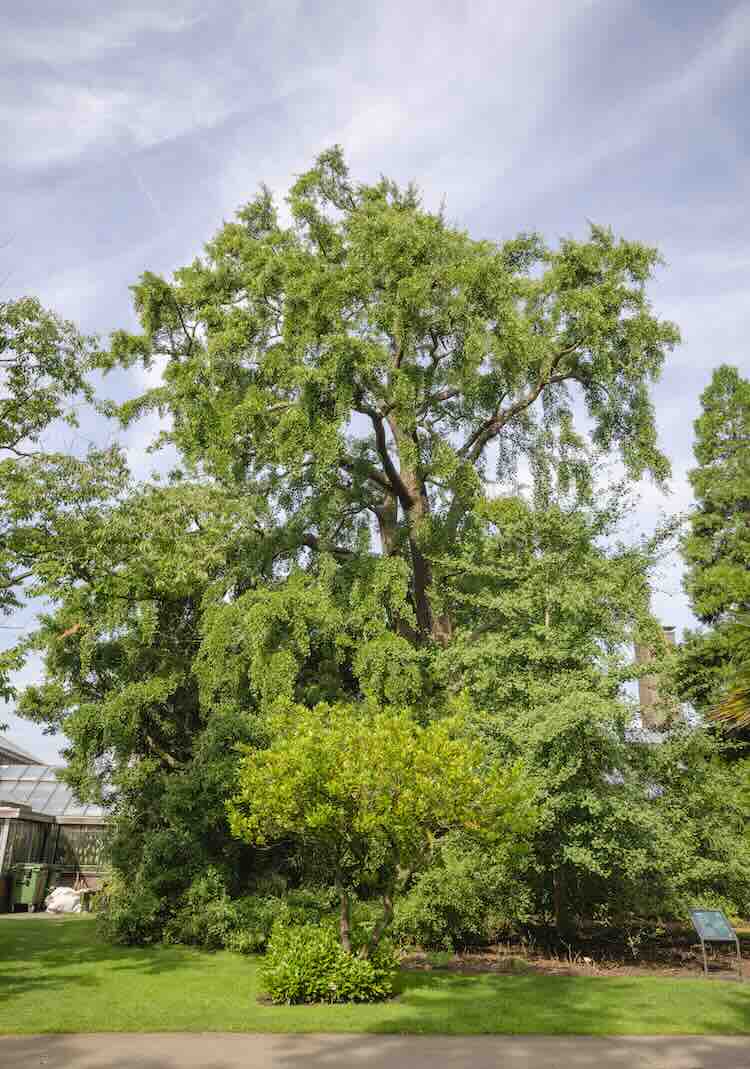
x=712, y=926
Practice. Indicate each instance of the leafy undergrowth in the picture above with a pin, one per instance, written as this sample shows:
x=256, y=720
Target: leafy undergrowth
x=56, y=975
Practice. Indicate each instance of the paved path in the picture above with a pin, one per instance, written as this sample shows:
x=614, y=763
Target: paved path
x=234, y=1051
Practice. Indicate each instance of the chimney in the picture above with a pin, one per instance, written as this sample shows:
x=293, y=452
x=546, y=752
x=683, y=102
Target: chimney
x=655, y=713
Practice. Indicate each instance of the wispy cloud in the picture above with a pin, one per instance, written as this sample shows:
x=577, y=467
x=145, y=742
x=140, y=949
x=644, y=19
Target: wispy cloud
x=131, y=130
x=90, y=31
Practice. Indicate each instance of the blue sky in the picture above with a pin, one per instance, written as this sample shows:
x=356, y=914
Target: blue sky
x=132, y=130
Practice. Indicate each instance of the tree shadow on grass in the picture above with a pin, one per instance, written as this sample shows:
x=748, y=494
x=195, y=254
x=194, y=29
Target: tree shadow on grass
x=570, y=1005
x=42, y=954
x=520, y=1022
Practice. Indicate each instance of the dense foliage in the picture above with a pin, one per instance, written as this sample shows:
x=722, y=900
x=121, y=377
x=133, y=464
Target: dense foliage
x=363, y=795
x=717, y=548
x=471, y=894
x=715, y=661
x=43, y=367
x=308, y=964
x=381, y=604
x=359, y=366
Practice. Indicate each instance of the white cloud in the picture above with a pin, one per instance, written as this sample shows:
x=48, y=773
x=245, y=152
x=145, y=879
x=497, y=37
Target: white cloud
x=104, y=29
x=462, y=91
x=61, y=122
x=665, y=104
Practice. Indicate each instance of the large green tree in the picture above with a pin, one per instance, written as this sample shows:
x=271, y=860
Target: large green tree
x=134, y=569
x=44, y=362
x=353, y=396
x=369, y=365
x=717, y=544
x=547, y=604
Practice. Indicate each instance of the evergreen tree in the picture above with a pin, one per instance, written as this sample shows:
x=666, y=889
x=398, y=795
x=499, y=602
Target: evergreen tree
x=717, y=545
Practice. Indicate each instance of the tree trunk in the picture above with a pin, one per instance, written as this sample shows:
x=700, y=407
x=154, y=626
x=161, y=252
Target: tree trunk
x=387, y=514
x=381, y=927
x=435, y=625
x=560, y=901
x=422, y=576
x=345, y=919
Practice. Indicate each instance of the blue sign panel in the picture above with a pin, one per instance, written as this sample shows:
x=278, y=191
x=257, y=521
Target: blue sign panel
x=712, y=926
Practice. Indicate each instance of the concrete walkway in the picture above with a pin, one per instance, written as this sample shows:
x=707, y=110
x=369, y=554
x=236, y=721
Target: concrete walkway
x=236, y=1051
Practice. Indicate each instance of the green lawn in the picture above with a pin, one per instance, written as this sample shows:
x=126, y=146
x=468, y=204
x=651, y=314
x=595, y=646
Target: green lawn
x=58, y=976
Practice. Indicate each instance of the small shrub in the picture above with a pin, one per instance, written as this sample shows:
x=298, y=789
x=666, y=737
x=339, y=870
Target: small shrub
x=206, y=915
x=255, y=917
x=129, y=914
x=306, y=963
x=467, y=897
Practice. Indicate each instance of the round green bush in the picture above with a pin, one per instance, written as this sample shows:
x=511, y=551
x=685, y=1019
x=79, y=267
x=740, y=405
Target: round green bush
x=306, y=963
x=467, y=897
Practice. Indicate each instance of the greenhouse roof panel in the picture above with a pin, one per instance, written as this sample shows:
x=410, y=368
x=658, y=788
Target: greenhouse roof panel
x=40, y=788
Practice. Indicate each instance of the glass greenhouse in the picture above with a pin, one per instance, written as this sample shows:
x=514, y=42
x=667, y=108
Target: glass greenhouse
x=41, y=821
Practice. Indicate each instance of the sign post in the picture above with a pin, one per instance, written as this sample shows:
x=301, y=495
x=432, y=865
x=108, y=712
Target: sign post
x=712, y=926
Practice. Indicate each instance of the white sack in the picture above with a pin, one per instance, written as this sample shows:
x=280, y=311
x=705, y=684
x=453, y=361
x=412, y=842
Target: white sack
x=63, y=900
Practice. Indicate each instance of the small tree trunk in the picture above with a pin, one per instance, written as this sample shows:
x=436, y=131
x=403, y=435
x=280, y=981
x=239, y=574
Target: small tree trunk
x=380, y=928
x=345, y=920
x=560, y=901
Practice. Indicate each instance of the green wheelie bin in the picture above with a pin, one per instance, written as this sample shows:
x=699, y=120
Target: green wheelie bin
x=28, y=885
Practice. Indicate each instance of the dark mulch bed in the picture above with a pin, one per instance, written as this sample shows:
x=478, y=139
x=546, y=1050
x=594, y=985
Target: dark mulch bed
x=664, y=950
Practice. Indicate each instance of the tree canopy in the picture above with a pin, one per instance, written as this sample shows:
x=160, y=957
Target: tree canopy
x=716, y=546
x=43, y=367
x=369, y=363
x=369, y=796
x=382, y=508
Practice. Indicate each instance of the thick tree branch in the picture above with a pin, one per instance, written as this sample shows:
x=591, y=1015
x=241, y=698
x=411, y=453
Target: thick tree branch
x=162, y=754
x=380, y=928
x=474, y=445
x=8, y=584
x=438, y=398
x=397, y=484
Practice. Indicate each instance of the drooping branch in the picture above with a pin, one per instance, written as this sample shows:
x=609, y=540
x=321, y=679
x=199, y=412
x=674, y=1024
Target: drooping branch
x=473, y=447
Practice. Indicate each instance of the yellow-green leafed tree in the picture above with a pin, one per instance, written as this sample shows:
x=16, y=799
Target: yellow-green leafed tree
x=368, y=797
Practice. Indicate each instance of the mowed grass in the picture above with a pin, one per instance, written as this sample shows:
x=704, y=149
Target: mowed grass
x=57, y=975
